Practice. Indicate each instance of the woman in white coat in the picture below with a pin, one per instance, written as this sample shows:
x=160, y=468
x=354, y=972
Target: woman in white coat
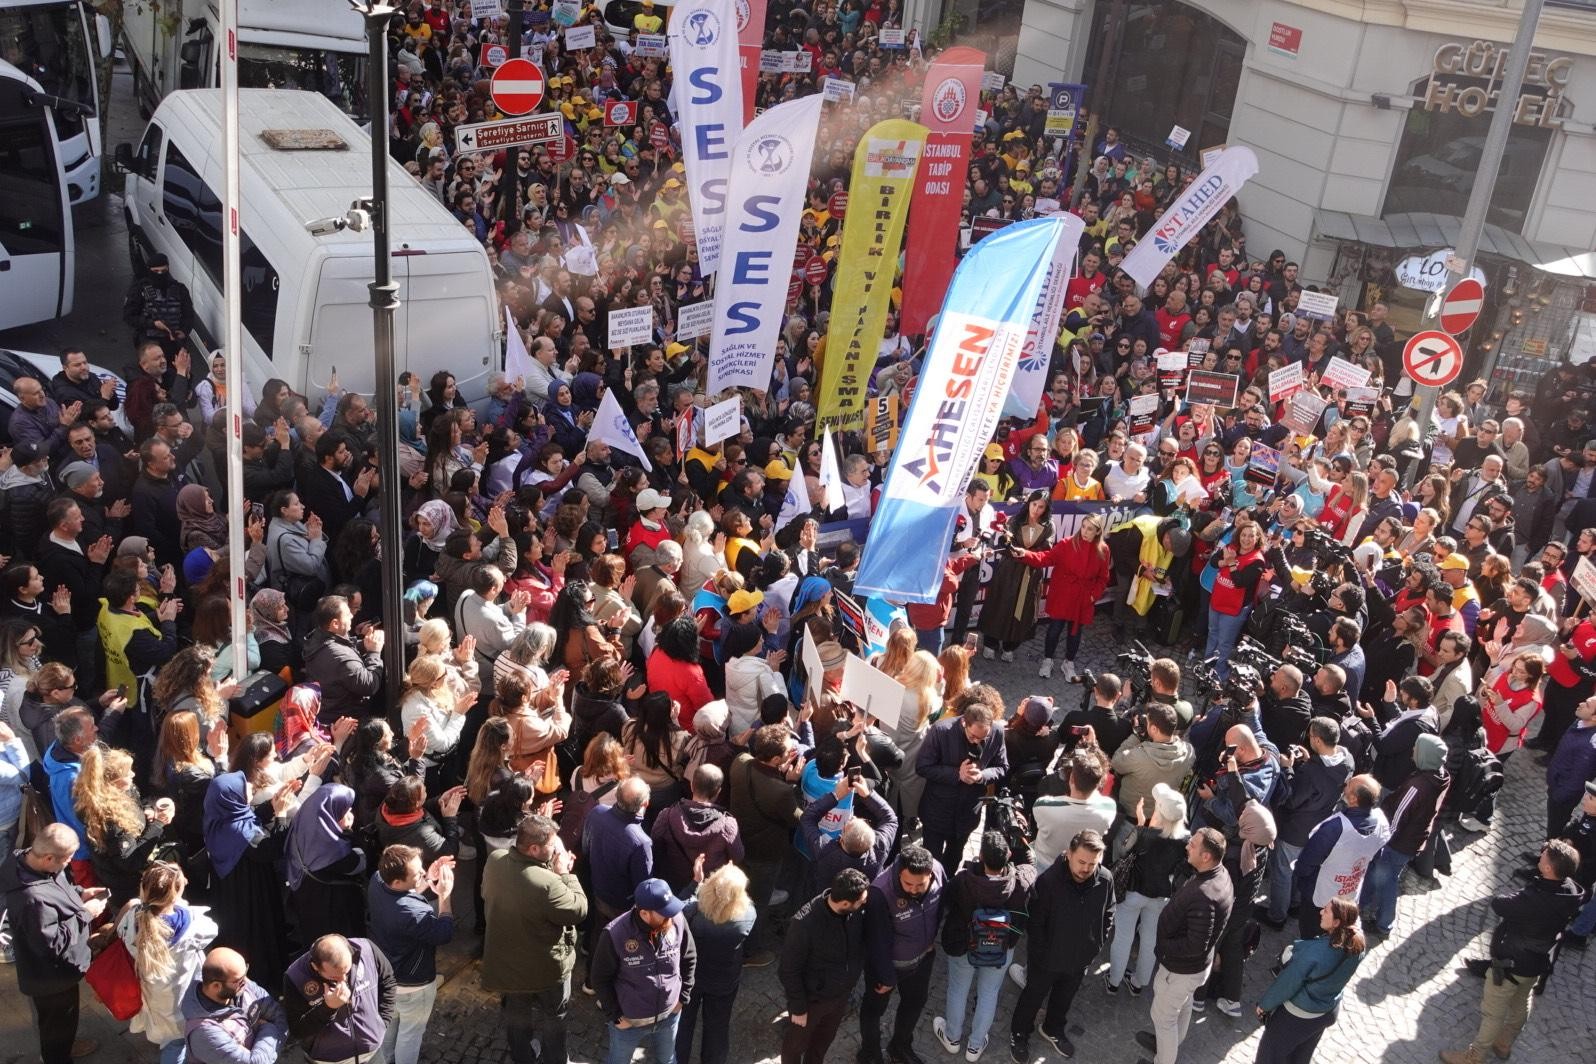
x=167, y=939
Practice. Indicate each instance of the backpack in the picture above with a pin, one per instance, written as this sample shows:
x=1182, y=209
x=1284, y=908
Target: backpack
x=573, y=815
x=989, y=938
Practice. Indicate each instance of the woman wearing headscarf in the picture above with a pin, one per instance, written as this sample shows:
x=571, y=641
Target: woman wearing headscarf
x=268, y=620
x=246, y=891
x=412, y=448
x=326, y=871
x=587, y=391
x=434, y=523
x=200, y=524
x=561, y=414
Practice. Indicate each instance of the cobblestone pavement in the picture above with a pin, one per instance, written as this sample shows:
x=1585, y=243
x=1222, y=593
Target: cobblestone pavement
x=1408, y=1001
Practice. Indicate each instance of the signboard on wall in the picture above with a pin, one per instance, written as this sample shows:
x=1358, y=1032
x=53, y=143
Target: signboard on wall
x=1285, y=40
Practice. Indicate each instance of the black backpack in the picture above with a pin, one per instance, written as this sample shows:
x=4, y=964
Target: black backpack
x=578, y=804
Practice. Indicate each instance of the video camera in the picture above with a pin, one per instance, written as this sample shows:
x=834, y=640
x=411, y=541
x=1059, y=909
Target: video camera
x=1136, y=669
x=1256, y=657
x=1326, y=548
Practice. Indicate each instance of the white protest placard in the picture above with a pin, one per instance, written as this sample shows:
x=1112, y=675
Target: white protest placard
x=1584, y=579
x=1143, y=414
x=982, y=118
x=580, y=37
x=1178, y=136
x=813, y=671
x=799, y=62
x=992, y=81
x=723, y=420
x=694, y=320
x=772, y=62
x=1303, y=412
x=631, y=325
x=652, y=46
x=1343, y=374
x=1285, y=380
x=1320, y=305
x=890, y=38
x=873, y=691
x=566, y=12
x=836, y=90
x=487, y=9
x=1361, y=401
x=1208, y=155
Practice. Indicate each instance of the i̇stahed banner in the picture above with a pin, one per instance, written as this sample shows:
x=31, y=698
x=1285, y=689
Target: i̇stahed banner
x=750, y=44
x=770, y=171
x=956, y=407
x=1192, y=209
x=708, y=96
x=883, y=176
x=1030, y=379
x=947, y=108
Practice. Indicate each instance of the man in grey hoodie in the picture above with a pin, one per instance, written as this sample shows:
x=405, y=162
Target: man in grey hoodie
x=1311, y=783
x=228, y=1017
x=1155, y=754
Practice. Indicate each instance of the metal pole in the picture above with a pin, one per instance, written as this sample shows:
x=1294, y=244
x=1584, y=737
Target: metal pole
x=1099, y=93
x=384, y=302
x=1490, y=167
x=512, y=193
x=233, y=338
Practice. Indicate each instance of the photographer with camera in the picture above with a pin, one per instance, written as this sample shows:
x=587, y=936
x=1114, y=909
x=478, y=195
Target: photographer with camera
x=1156, y=753
x=1329, y=694
x=1097, y=712
x=1163, y=680
x=1287, y=708
x=1346, y=652
x=1345, y=600
x=1243, y=761
x=1312, y=779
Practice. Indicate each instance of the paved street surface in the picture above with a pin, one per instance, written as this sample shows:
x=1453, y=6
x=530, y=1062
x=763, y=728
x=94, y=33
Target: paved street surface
x=1408, y=1001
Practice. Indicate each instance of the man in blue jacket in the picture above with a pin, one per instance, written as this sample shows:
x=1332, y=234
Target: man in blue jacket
x=406, y=928
x=228, y=1017
x=1339, y=852
x=901, y=924
x=619, y=852
x=959, y=757
x=1572, y=763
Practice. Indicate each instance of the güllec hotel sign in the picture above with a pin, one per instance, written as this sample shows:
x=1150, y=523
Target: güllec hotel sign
x=1466, y=78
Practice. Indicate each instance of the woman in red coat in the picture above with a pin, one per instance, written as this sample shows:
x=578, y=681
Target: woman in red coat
x=1080, y=573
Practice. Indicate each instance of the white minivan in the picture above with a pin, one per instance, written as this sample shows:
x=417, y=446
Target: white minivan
x=306, y=305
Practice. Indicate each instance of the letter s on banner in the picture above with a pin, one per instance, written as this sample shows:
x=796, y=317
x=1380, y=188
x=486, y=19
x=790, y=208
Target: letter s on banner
x=709, y=100
x=966, y=378
x=770, y=170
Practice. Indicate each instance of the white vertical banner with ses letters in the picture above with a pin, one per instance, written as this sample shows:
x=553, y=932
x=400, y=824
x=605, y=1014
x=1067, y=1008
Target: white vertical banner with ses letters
x=770, y=171
x=708, y=97
x=1196, y=204
x=1030, y=379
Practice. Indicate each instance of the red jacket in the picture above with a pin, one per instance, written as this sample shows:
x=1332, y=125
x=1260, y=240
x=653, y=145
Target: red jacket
x=683, y=681
x=1080, y=573
x=1583, y=640
x=924, y=616
x=640, y=536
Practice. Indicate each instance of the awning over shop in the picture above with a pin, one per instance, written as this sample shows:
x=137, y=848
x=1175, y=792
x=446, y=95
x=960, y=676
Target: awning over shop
x=1426, y=232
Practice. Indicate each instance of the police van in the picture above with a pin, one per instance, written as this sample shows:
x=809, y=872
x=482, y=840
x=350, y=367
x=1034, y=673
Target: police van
x=306, y=308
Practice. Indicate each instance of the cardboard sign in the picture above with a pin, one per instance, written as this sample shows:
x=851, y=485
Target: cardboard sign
x=772, y=62
x=1208, y=155
x=985, y=227
x=1172, y=366
x=992, y=81
x=1178, y=136
x=1343, y=374
x=1263, y=465
x=1285, y=380
x=1319, y=305
x=1303, y=412
x=836, y=90
x=694, y=320
x=723, y=420
x=578, y=38
x=1361, y=401
x=881, y=423
x=652, y=46
x=890, y=38
x=631, y=325
x=1206, y=386
x=487, y=9
x=1584, y=579
x=799, y=62
x=1143, y=415
x=872, y=690
x=813, y=671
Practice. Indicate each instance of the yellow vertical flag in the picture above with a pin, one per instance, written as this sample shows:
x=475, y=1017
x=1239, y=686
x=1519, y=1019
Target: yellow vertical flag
x=878, y=205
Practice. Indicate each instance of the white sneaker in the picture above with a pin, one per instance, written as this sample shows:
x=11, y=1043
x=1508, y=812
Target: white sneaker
x=1007, y=655
x=779, y=898
x=1070, y=675
x=973, y=1053
x=1468, y=823
x=1229, y=1008
x=939, y=1027
x=1017, y=973
x=1047, y=668
x=986, y=652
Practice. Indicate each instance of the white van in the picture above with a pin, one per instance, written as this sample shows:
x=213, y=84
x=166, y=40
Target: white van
x=306, y=309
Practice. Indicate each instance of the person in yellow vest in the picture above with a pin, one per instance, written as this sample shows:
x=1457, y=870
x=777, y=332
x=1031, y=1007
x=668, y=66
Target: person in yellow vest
x=646, y=21
x=137, y=641
x=1144, y=550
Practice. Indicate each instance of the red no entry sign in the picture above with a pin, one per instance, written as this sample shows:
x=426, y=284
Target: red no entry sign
x=517, y=86
x=1433, y=358
x=1462, y=305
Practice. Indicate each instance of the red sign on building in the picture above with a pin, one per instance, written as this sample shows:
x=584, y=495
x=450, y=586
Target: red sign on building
x=1285, y=40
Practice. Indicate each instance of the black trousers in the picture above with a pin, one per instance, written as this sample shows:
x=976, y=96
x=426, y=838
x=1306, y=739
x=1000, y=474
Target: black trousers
x=1289, y=1039
x=914, y=987
x=808, y=1044
x=717, y=1014
x=56, y=1017
x=539, y=1018
x=1057, y=989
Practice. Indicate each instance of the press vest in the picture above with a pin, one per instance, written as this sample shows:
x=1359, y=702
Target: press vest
x=1341, y=875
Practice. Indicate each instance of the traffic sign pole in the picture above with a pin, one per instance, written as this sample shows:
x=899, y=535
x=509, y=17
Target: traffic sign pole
x=1433, y=359
x=510, y=206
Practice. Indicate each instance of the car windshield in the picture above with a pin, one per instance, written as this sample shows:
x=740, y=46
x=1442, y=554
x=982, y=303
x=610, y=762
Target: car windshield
x=339, y=76
x=47, y=43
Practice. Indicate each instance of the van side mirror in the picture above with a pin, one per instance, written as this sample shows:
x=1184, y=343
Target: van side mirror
x=123, y=158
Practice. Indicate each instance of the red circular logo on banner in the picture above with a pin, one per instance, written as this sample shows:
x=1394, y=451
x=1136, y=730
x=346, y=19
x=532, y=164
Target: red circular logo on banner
x=801, y=256
x=947, y=103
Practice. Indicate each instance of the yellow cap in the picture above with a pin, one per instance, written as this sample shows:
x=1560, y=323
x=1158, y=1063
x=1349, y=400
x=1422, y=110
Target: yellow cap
x=673, y=349
x=1455, y=560
x=777, y=470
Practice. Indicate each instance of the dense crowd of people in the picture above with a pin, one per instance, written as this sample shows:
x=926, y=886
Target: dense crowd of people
x=622, y=741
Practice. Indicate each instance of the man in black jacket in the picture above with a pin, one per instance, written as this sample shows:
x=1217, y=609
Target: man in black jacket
x=327, y=492
x=1523, y=949
x=866, y=838
x=1188, y=930
x=1072, y=915
x=1311, y=781
x=1411, y=810
x=268, y=461
x=822, y=958
x=959, y=757
x=1286, y=709
x=50, y=921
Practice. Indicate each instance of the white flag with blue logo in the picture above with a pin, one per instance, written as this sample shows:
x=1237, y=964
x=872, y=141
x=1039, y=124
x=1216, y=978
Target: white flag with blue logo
x=1193, y=207
x=610, y=426
x=707, y=95
x=1030, y=379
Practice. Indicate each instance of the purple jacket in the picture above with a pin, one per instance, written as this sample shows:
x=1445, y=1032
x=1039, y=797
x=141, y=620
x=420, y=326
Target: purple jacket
x=1027, y=479
x=899, y=930
x=640, y=973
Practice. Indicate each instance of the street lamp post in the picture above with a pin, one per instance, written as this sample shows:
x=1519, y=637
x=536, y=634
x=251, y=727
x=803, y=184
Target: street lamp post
x=384, y=303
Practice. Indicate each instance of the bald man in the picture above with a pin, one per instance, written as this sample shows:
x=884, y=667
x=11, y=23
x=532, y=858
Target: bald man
x=231, y=1018
x=341, y=996
x=38, y=419
x=50, y=921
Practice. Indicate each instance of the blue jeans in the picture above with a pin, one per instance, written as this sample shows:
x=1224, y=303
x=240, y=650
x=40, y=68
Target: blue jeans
x=661, y=1035
x=1381, y=888
x=988, y=985
x=1282, y=863
x=402, y=1045
x=174, y=1052
x=931, y=639
x=1585, y=922
x=1137, y=914
x=1224, y=632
